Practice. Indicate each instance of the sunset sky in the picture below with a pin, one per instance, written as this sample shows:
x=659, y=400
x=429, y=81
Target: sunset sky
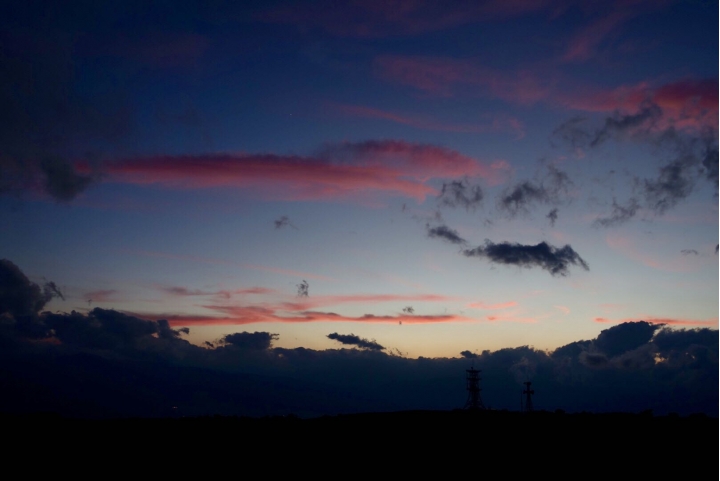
x=444, y=176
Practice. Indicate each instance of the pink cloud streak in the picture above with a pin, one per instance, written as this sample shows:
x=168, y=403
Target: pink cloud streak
x=252, y=315
x=340, y=171
x=686, y=103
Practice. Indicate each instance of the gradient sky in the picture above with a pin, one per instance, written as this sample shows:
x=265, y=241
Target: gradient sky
x=407, y=159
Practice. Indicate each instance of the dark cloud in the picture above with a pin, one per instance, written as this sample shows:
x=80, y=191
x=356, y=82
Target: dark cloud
x=710, y=161
x=522, y=196
x=445, y=233
x=621, y=125
x=250, y=340
x=593, y=359
x=62, y=181
x=19, y=296
x=620, y=214
x=674, y=183
x=166, y=332
x=625, y=337
x=690, y=155
x=353, y=340
x=552, y=259
x=284, y=221
x=552, y=216
x=517, y=198
x=409, y=310
x=687, y=252
x=303, y=289
x=138, y=367
x=460, y=193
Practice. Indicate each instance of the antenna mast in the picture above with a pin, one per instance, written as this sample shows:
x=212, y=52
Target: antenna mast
x=528, y=399
x=472, y=378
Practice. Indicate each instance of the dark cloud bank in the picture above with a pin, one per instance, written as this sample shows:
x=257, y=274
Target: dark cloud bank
x=106, y=364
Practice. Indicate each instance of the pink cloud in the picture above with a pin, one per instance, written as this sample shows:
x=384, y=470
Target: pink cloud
x=340, y=171
x=512, y=318
x=686, y=103
x=483, y=305
x=319, y=301
x=252, y=315
x=713, y=322
x=499, y=124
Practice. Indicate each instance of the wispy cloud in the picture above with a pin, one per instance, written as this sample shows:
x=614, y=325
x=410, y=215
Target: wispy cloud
x=222, y=293
x=339, y=171
x=252, y=315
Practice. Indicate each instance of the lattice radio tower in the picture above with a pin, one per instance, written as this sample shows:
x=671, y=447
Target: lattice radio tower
x=474, y=401
x=528, y=396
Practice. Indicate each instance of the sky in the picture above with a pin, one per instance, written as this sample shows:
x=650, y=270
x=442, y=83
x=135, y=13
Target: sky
x=427, y=177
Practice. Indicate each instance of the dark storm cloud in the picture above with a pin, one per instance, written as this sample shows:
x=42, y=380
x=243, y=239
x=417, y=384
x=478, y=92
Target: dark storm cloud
x=250, y=340
x=687, y=252
x=552, y=216
x=460, y=193
x=353, y=340
x=620, y=214
x=164, y=330
x=593, y=359
x=625, y=337
x=18, y=295
x=523, y=195
x=469, y=355
x=445, y=233
x=552, y=259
